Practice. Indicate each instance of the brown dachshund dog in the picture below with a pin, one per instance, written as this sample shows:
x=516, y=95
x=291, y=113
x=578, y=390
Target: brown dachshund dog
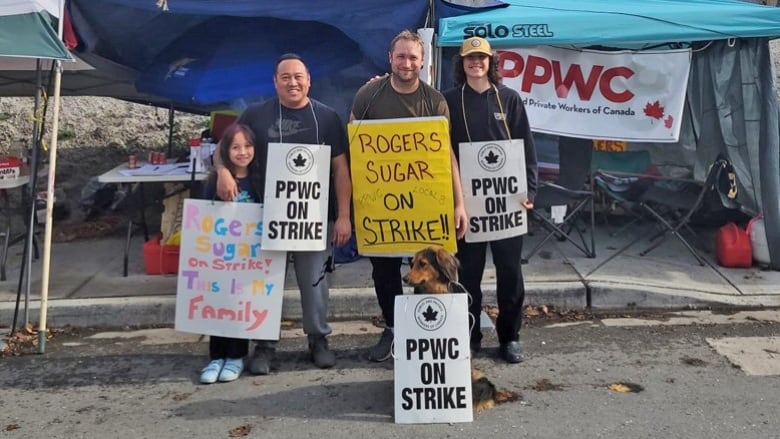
x=435, y=271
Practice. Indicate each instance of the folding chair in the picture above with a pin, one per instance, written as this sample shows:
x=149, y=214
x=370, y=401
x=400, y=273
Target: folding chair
x=571, y=190
x=618, y=179
x=672, y=203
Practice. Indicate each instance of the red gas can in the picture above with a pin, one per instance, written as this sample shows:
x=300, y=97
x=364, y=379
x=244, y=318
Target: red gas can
x=733, y=247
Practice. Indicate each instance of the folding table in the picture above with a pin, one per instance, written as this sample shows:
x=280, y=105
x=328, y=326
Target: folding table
x=117, y=175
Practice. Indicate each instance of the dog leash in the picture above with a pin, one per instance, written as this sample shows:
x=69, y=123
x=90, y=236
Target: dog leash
x=452, y=284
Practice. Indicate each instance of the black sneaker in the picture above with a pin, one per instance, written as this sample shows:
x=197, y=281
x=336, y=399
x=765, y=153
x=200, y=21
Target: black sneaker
x=321, y=356
x=384, y=347
x=511, y=352
x=260, y=363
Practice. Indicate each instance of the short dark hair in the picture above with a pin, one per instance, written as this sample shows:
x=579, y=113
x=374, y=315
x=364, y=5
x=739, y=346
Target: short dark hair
x=408, y=36
x=459, y=74
x=287, y=56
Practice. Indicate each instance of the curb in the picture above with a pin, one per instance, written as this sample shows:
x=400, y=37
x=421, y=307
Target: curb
x=360, y=303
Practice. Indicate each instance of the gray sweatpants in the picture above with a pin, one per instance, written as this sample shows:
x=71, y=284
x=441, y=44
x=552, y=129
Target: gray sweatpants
x=313, y=276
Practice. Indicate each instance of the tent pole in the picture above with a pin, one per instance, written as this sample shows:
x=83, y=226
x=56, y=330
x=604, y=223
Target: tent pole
x=25, y=270
x=170, y=130
x=34, y=165
x=49, y=209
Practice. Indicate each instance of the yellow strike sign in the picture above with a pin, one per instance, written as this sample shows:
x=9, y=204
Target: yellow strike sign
x=402, y=185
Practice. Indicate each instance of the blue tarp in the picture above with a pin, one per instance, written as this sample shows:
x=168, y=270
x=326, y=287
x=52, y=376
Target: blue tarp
x=613, y=23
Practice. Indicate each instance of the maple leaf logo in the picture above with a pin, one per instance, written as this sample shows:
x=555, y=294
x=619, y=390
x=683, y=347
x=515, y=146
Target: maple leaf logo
x=669, y=121
x=299, y=161
x=429, y=314
x=491, y=158
x=654, y=110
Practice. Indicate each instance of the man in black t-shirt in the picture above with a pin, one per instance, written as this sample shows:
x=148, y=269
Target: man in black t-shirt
x=293, y=117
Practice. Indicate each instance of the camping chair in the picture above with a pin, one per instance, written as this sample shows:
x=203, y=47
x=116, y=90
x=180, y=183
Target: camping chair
x=618, y=179
x=571, y=190
x=672, y=203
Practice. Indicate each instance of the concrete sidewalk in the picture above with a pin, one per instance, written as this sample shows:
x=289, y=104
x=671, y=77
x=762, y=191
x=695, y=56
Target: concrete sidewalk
x=87, y=288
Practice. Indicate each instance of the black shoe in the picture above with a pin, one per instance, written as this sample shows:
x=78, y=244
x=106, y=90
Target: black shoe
x=321, y=356
x=511, y=352
x=383, y=348
x=260, y=363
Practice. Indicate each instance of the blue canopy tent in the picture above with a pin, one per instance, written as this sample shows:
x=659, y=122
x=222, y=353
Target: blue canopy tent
x=731, y=102
x=179, y=52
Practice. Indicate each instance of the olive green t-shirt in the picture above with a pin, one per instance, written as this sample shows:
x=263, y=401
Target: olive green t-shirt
x=378, y=100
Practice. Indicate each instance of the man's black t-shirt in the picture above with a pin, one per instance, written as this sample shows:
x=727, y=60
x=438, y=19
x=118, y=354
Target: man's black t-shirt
x=316, y=123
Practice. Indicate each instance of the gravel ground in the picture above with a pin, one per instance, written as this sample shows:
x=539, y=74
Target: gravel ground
x=95, y=134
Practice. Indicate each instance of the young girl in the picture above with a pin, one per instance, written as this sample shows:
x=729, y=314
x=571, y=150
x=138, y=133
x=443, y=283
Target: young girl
x=238, y=145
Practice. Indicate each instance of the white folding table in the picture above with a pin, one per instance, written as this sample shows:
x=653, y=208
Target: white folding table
x=120, y=175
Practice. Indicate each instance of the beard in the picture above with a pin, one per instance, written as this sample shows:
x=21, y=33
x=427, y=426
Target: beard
x=406, y=76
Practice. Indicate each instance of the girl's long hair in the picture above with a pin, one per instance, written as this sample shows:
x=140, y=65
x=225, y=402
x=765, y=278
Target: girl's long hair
x=227, y=139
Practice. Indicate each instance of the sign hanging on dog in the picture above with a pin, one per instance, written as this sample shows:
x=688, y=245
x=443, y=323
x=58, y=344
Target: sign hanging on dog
x=432, y=359
x=296, y=197
x=228, y=284
x=494, y=187
x=402, y=185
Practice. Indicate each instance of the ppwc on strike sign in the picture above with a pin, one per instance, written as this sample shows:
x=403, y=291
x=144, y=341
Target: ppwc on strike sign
x=432, y=359
x=494, y=187
x=297, y=186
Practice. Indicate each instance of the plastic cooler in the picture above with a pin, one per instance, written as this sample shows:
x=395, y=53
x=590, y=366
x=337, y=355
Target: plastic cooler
x=160, y=258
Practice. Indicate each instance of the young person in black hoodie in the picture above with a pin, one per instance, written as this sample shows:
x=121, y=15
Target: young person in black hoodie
x=481, y=109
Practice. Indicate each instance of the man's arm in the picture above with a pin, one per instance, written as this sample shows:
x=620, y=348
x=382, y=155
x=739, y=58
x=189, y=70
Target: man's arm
x=227, y=188
x=342, y=229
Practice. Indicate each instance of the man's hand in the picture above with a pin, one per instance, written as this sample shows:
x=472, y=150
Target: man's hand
x=529, y=205
x=342, y=231
x=227, y=189
x=377, y=77
x=461, y=220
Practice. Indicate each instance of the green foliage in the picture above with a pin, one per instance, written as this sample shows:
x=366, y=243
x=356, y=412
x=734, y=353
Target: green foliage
x=66, y=134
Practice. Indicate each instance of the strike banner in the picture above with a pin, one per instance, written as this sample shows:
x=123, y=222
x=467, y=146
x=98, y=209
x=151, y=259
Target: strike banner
x=494, y=186
x=623, y=95
x=432, y=359
x=402, y=185
x=296, y=197
x=228, y=285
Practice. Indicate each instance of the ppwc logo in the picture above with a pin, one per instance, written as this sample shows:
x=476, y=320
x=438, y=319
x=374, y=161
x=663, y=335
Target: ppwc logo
x=430, y=314
x=299, y=160
x=491, y=157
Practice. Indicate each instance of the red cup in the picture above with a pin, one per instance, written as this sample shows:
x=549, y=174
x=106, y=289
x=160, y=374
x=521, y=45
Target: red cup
x=132, y=161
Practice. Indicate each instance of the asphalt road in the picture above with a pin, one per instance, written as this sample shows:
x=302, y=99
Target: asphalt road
x=129, y=384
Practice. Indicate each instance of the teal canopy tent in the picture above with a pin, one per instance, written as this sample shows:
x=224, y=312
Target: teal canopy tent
x=614, y=23
x=26, y=30
x=731, y=102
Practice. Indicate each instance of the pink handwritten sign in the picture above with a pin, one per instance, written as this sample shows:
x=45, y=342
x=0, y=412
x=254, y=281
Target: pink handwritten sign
x=228, y=285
